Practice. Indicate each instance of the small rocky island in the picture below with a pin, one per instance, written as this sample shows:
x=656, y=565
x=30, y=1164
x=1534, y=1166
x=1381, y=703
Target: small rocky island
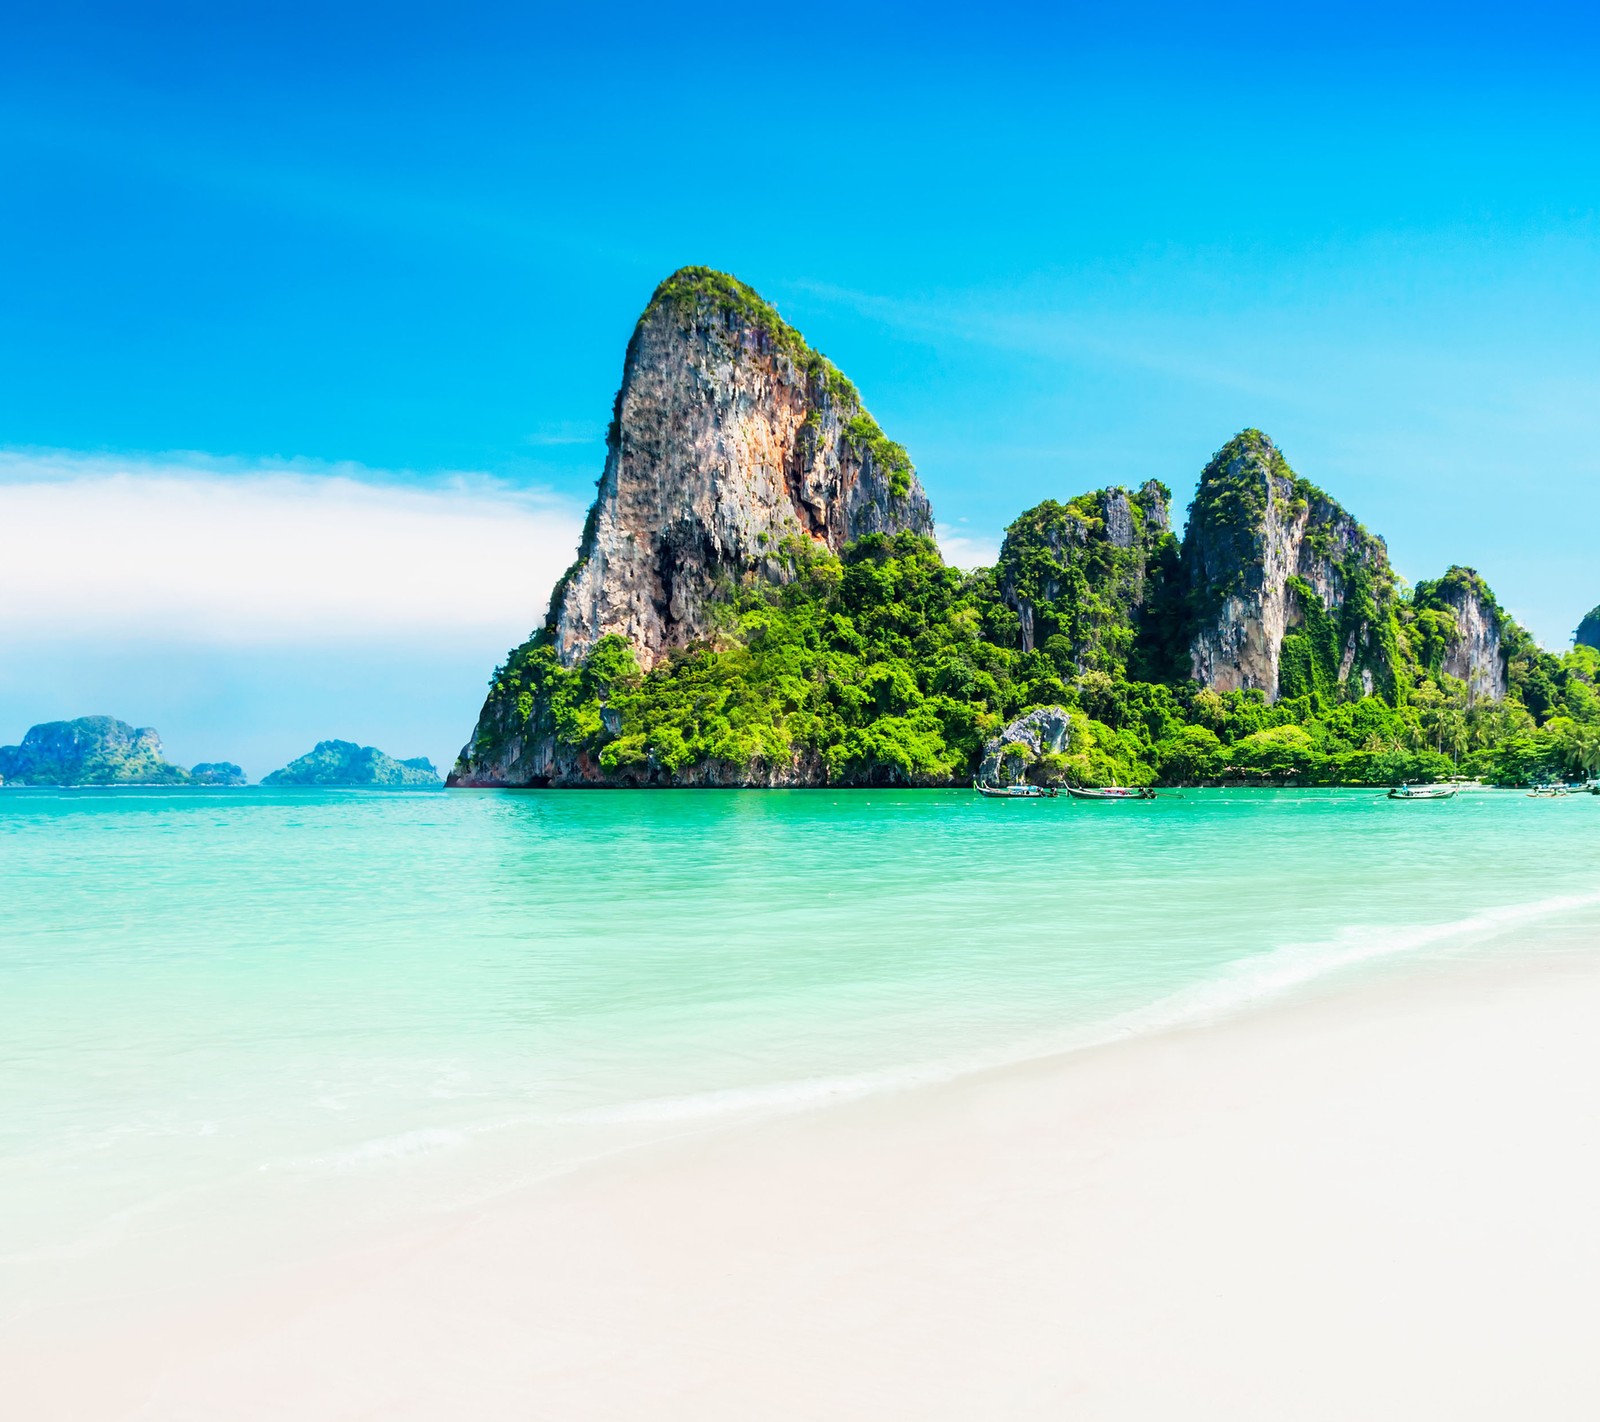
x=220, y=772
x=101, y=750
x=344, y=763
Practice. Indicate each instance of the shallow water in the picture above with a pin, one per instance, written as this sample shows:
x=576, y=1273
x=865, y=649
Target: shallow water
x=241, y=1024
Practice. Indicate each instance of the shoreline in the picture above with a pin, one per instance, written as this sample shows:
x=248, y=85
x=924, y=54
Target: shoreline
x=1381, y=1185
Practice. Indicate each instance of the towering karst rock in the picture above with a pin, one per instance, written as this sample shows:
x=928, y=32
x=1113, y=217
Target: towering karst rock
x=1084, y=577
x=1289, y=594
x=730, y=437
x=1467, y=642
x=1588, y=634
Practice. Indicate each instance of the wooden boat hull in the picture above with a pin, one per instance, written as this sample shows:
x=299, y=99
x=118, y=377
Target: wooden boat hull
x=1444, y=794
x=1107, y=796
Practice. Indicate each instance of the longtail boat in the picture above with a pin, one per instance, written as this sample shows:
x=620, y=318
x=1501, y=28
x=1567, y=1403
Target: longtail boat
x=1424, y=792
x=1111, y=792
x=1015, y=792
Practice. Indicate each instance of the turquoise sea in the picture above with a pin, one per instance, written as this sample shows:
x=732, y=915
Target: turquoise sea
x=243, y=1025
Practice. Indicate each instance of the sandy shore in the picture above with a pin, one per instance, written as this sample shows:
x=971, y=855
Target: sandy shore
x=1384, y=1203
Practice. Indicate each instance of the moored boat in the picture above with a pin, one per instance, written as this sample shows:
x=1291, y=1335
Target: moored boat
x=1548, y=792
x=1111, y=792
x=1424, y=792
x=1015, y=792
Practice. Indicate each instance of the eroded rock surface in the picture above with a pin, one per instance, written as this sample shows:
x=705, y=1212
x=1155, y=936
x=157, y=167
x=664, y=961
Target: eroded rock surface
x=1041, y=732
x=731, y=435
x=1261, y=542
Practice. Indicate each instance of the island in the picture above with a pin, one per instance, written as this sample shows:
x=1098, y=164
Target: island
x=758, y=600
x=101, y=750
x=344, y=763
x=221, y=772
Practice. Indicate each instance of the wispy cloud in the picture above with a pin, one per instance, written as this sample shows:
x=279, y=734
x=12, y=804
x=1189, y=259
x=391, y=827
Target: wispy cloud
x=191, y=548
x=964, y=548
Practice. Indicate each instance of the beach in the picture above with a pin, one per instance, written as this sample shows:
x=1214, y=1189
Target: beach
x=1375, y=1200
x=665, y=1104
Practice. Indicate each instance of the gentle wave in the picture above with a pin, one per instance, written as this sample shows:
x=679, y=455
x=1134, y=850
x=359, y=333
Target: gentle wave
x=1242, y=985
x=372, y=1152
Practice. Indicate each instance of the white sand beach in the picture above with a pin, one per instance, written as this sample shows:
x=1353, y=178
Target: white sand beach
x=1380, y=1203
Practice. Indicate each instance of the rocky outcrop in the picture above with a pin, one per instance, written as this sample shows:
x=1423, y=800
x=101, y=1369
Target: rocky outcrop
x=730, y=436
x=344, y=763
x=1270, y=558
x=732, y=445
x=1472, y=646
x=220, y=772
x=1588, y=633
x=1008, y=758
x=92, y=750
x=1082, y=576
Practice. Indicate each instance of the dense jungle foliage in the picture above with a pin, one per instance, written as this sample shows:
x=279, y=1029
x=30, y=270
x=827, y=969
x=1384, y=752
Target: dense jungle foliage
x=886, y=666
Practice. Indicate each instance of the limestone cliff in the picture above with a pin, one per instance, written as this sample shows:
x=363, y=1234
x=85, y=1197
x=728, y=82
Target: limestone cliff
x=1588, y=634
x=730, y=439
x=1289, y=594
x=730, y=436
x=1083, y=577
x=92, y=750
x=1467, y=642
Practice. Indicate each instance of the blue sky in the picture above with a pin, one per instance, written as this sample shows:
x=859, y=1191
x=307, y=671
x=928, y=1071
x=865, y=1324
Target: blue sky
x=260, y=247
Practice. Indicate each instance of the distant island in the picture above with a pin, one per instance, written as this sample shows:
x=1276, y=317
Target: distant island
x=101, y=750
x=758, y=601
x=222, y=772
x=345, y=763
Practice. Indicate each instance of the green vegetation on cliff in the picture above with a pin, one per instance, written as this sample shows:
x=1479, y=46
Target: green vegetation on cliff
x=885, y=666
x=1094, y=582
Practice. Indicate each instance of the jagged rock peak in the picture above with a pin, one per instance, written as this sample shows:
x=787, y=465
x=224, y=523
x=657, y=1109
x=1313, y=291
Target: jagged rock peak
x=1470, y=644
x=1270, y=556
x=1084, y=571
x=1588, y=633
x=729, y=437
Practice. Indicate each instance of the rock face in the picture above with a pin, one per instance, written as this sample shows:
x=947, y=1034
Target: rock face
x=1588, y=634
x=1472, y=649
x=1270, y=558
x=92, y=750
x=346, y=763
x=221, y=772
x=1082, y=576
x=1007, y=758
x=730, y=437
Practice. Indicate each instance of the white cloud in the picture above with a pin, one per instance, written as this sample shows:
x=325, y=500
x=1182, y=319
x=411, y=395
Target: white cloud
x=963, y=548
x=189, y=548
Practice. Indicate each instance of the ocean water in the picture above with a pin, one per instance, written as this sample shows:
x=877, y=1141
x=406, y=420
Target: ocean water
x=245, y=1026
